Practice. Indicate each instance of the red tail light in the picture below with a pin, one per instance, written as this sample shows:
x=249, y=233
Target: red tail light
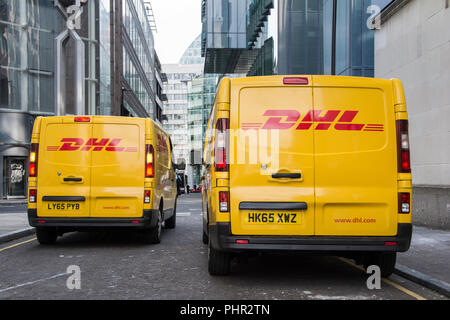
x=149, y=161
x=147, y=194
x=295, y=81
x=403, y=154
x=33, y=166
x=404, y=202
x=32, y=170
x=224, y=201
x=221, y=145
x=82, y=119
x=32, y=196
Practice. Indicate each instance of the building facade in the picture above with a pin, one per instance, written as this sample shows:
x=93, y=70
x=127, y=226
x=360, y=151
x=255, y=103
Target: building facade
x=413, y=44
x=201, y=94
x=190, y=95
x=53, y=63
x=175, y=112
x=287, y=37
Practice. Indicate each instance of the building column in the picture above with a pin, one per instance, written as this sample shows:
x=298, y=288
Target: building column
x=92, y=79
x=23, y=40
x=60, y=71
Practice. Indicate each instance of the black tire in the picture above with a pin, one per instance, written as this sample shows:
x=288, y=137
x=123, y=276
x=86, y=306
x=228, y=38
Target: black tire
x=172, y=221
x=153, y=235
x=46, y=236
x=219, y=262
x=385, y=260
x=205, y=238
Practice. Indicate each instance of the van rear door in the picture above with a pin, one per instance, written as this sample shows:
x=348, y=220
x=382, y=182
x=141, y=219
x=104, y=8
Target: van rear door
x=118, y=151
x=271, y=159
x=355, y=157
x=64, y=172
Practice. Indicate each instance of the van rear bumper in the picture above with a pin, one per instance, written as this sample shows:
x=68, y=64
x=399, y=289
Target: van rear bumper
x=149, y=219
x=222, y=239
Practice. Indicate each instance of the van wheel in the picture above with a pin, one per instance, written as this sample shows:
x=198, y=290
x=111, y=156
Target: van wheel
x=46, y=235
x=205, y=227
x=205, y=238
x=219, y=262
x=153, y=235
x=172, y=221
x=205, y=235
x=385, y=260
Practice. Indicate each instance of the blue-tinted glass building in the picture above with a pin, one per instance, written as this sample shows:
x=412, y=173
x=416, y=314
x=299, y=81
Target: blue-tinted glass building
x=288, y=37
x=106, y=65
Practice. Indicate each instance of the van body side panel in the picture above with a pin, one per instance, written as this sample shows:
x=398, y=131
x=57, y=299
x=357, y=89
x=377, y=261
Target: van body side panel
x=355, y=158
x=64, y=170
x=271, y=159
x=117, y=183
x=161, y=166
x=171, y=186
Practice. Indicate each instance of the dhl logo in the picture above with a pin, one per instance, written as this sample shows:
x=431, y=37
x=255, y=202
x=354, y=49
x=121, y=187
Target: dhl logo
x=78, y=144
x=162, y=144
x=288, y=119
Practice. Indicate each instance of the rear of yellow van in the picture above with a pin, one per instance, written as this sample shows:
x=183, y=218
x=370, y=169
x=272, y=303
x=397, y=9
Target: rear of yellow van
x=313, y=163
x=91, y=172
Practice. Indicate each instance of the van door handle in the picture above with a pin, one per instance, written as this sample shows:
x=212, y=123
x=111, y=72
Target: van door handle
x=287, y=175
x=73, y=179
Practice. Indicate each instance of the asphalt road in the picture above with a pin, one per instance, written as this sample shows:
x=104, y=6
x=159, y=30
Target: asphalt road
x=117, y=265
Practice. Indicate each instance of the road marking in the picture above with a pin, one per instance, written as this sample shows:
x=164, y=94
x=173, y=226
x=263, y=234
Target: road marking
x=17, y=244
x=34, y=282
x=395, y=285
x=183, y=214
x=399, y=287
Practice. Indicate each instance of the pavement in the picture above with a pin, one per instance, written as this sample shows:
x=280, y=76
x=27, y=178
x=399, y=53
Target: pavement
x=14, y=220
x=426, y=263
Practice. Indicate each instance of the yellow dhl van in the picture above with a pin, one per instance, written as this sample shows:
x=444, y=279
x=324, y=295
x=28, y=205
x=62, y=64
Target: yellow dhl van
x=307, y=163
x=93, y=172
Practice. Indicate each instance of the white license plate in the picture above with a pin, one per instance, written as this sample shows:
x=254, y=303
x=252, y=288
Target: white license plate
x=63, y=206
x=275, y=218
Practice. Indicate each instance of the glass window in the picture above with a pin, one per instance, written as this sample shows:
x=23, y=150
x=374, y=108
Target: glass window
x=30, y=49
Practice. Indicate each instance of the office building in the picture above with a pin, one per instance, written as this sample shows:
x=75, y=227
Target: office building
x=179, y=75
x=201, y=94
x=265, y=37
x=103, y=63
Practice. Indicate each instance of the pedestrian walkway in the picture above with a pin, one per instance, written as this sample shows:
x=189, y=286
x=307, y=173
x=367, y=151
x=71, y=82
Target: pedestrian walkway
x=18, y=202
x=429, y=253
x=11, y=222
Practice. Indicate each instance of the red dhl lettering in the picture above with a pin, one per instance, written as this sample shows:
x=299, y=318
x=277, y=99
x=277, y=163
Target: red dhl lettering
x=317, y=119
x=162, y=144
x=94, y=144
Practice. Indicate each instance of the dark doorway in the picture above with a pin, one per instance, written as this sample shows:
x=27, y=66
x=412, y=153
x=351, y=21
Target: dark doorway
x=15, y=177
